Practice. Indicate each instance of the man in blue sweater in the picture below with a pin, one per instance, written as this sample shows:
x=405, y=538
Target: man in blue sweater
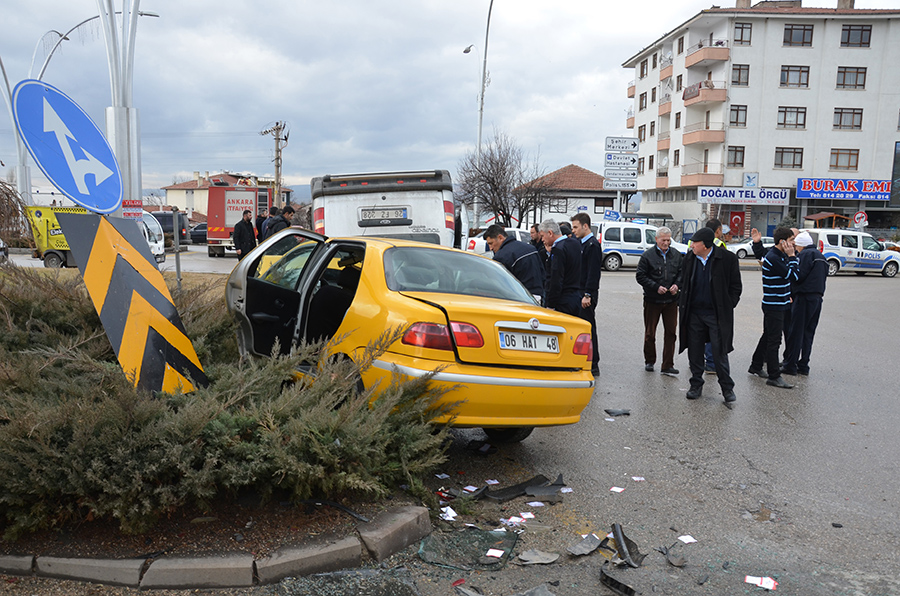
x=807, y=305
x=779, y=270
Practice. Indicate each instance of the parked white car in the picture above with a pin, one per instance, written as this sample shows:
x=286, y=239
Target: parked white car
x=479, y=246
x=745, y=249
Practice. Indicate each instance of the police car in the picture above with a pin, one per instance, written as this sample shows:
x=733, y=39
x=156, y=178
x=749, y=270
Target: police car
x=854, y=250
x=623, y=243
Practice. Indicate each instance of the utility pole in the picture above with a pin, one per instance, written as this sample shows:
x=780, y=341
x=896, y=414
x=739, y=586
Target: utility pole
x=280, y=132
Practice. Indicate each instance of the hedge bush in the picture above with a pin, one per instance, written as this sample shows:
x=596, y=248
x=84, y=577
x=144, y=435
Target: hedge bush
x=77, y=441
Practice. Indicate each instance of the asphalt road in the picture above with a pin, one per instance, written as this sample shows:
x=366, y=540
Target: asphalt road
x=194, y=260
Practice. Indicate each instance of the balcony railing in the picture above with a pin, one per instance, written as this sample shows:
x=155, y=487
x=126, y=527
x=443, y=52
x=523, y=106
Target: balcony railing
x=704, y=53
x=703, y=126
x=705, y=43
x=663, y=135
x=705, y=91
x=701, y=168
x=666, y=61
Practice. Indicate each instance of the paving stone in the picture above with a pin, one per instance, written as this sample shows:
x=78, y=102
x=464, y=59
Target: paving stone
x=319, y=557
x=393, y=530
x=119, y=572
x=227, y=571
x=16, y=565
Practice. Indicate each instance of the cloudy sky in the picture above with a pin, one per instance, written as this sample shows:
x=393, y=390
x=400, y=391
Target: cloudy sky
x=364, y=85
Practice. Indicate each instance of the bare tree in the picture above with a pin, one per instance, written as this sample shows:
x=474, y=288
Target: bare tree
x=501, y=183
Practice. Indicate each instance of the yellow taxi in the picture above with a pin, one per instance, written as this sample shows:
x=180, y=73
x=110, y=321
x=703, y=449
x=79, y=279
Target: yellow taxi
x=512, y=364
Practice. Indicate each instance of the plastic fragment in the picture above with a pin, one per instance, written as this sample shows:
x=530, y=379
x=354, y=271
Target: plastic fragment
x=628, y=550
x=536, y=557
x=590, y=543
x=615, y=585
x=614, y=413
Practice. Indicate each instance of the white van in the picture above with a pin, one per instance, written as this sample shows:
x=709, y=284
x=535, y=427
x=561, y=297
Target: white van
x=854, y=250
x=153, y=234
x=623, y=243
x=405, y=205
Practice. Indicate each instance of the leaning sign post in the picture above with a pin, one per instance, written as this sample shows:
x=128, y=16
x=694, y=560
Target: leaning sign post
x=121, y=276
x=621, y=165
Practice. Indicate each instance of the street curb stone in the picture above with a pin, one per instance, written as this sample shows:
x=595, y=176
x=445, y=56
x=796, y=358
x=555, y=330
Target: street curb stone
x=227, y=571
x=16, y=565
x=320, y=557
x=117, y=572
x=393, y=530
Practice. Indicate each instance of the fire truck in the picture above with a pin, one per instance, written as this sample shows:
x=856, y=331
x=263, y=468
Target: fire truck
x=225, y=208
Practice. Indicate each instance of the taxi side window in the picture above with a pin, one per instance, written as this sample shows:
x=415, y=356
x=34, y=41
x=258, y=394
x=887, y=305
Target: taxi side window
x=849, y=242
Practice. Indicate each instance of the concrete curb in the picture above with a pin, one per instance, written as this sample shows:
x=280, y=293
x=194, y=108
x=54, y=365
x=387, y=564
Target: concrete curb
x=390, y=532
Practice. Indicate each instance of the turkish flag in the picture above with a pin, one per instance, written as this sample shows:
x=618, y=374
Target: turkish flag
x=737, y=223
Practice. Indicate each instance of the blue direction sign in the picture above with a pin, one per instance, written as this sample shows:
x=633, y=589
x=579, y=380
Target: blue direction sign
x=67, y=146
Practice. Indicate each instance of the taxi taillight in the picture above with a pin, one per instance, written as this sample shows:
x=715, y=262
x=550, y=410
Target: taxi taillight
x=466, y=335
x=583, y=346
x=437, y=337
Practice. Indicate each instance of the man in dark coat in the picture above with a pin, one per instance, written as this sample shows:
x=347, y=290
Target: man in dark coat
x=260, y=219
x=243, y=237
x=273, y=215
x=711, y=289
x=806, y=307
x=280, y=222
x=563, y=289
x=591, y=264
x=659, y=273
x=520, y=258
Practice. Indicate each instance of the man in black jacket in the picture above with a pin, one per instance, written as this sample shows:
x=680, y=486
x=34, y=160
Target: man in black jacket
x=591, y=264
x=243, y=237
x=563, y=289
x=806, y=306
x=659, y=273
x=281, y=221
x=260, y=219
x=519, y=258
x=711, y=289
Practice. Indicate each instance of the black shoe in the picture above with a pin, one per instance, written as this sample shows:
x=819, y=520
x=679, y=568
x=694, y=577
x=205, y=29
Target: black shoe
x=648, y=367
x=694, y=393
x=669, y=371
x=758, y=372
x=805, y=373
x=779, y=382
x=730, y=398
x=595, y=372
x=789, y=371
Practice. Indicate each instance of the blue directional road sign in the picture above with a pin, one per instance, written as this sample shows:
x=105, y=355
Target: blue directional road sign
x=67, y=146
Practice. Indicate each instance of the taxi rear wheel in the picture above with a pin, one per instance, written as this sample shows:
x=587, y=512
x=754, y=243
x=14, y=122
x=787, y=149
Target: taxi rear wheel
x=508, y=435
x=890, y=270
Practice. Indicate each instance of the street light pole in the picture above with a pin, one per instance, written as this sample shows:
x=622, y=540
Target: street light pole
x=487, y=31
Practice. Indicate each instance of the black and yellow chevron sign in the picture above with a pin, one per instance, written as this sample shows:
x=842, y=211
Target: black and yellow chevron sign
x=133, y=301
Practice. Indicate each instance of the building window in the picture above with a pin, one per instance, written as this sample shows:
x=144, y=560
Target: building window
x=558, y=205
x=676, y=157
x=653, y=128
x=740, y=75
x=642, y=101
x=677, y=119
x=678, y=84
x=789, y=157
x=798, y=35
x=654, y=60
x=681, y=44
x=650, y=163
x=643, y=69
x=735, y=157
x=795, y=76
x=738, y=116
x=848, y=118
x=856, y=36
x=640, y=165
x=742, y=33
x=642, y=133
x=851, y=77
x=790, y=117
x=844, y=159
x=653, y=95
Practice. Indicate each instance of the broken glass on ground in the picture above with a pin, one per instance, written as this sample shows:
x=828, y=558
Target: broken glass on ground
x=614, y=584
x=517, y=490
x=536, y=557
x=466, y=549
x=541, y=590
x=589, y=544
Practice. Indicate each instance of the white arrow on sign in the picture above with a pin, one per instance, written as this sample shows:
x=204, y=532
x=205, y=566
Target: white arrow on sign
x=622, y=144
x=620, y=174
x=80, y=168
x=619, y=184
x=620, y=160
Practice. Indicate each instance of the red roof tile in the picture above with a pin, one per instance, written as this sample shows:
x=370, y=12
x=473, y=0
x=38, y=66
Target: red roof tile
x=574, y=177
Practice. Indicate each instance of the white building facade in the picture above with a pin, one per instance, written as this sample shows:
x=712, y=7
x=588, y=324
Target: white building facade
x=753, y=113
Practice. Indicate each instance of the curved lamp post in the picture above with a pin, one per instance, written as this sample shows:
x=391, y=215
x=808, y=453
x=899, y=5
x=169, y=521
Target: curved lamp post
x=487, y=31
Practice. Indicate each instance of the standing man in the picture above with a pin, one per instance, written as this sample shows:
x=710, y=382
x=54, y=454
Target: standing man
x=280, y=222
x=273, y=215
x=779, y=269
x=591, y=264
x=659, y=273
x=519, y=258
x=711, y=289
x=260, y=219
x=563, y=289
x=807, y=305
x=715, y=225
x=243, y=237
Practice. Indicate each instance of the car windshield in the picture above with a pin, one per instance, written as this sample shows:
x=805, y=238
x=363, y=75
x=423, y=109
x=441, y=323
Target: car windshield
x=449, y=272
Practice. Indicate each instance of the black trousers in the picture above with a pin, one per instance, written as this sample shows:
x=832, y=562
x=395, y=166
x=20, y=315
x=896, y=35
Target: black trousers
x=703, y=329
x=590, y=314
x=769, y=343
x=653, y=311
x=804, y=320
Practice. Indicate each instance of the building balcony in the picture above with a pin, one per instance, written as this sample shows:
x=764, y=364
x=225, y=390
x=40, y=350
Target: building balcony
x=662, y=178
x=702, y=174
x=665, y=104
x=704, y=92
x=705, y=54
x=631, y=89
x=665, y=72
x=629, y=119
x=663, y=142
x=701, y=132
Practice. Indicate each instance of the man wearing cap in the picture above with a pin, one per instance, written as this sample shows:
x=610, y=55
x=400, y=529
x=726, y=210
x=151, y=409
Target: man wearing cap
x=711, y=289
x=807, y=305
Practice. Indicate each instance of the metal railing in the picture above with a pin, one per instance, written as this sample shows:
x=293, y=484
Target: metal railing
x=704, y=126
x=701, y=168
x=705, y=43
x=663, y=135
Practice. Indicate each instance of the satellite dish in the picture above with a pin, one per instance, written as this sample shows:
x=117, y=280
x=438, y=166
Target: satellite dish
x=664, y=161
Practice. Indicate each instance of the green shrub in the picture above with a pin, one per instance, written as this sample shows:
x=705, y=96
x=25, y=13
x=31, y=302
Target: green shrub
x=78, y=441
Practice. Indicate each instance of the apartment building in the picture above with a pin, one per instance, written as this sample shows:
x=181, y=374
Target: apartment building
x=753, y=113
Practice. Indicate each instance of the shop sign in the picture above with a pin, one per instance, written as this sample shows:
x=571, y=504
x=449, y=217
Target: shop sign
x=743, y=196
x=851, y=190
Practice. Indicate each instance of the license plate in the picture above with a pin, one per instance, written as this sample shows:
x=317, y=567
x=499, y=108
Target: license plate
x=528, y=342
x=399, y=213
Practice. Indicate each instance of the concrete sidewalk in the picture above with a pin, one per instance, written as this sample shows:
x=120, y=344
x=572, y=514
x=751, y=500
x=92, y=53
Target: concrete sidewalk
x=390, y=531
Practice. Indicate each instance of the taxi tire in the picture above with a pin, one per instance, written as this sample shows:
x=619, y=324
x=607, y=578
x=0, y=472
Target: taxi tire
x=513, y=434
x=53, y=261
x=890, y=270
